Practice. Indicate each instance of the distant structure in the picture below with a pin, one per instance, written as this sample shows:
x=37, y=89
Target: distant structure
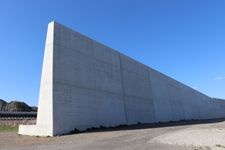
x=87, y=84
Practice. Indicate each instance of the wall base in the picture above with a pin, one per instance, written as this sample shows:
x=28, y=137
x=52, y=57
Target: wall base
x=34, y=130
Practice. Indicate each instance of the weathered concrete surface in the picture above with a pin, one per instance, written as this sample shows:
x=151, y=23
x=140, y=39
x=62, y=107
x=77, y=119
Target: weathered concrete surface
x=86, y=84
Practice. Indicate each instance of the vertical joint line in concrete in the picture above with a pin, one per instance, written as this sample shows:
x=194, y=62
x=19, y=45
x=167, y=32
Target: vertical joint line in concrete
x=152, y=98
x=121, y=75
x=170, y=100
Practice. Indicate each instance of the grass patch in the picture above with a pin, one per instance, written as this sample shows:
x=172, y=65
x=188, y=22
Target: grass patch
x=4, y=128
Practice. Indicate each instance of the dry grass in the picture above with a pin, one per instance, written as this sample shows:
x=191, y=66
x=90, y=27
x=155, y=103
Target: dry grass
x=4, y=128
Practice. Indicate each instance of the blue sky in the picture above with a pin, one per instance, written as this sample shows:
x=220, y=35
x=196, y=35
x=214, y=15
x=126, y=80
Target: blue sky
x=184, y=39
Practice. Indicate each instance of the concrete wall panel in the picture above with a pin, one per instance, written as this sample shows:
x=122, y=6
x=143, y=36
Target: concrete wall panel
x=139, y=110
x=160, y=94
x=175, y=98
x=137, y=91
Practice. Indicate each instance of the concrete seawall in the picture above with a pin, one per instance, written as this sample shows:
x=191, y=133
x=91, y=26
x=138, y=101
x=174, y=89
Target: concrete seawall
x=87, y=84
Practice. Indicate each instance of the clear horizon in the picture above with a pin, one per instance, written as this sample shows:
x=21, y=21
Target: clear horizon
x=182, y=39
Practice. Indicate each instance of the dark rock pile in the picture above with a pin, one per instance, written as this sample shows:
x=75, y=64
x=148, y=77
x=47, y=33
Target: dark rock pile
x=16, y=106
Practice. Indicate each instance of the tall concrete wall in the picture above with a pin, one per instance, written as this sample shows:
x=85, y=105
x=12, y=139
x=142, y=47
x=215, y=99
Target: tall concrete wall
x=86, y=84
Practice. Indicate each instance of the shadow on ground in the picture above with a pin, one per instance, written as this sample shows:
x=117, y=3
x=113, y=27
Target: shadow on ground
x=147, y=126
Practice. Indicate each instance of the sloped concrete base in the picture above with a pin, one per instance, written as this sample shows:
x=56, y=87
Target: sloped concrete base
x=34, y=130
